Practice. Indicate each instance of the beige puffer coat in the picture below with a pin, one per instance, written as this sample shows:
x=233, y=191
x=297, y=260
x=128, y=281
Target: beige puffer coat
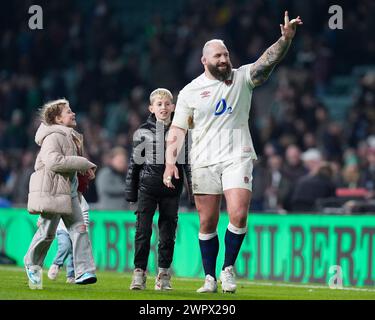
x=55, y=167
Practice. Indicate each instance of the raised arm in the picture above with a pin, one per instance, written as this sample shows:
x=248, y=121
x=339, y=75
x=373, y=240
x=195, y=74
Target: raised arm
x=263, y=67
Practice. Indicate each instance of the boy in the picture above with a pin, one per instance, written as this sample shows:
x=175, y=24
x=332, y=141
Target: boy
x=144, y=182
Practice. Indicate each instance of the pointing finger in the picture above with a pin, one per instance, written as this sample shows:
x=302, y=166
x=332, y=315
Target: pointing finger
x=286, y=18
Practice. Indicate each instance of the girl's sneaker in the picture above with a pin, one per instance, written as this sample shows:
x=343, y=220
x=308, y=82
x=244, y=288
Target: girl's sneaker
x=86, y=278
x=35, y=275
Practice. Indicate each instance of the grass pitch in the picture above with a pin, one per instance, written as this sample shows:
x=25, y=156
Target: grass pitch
x=115, y=286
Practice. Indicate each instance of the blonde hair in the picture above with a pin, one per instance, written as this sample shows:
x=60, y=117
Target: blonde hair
x=51, y=110
x=161, y=92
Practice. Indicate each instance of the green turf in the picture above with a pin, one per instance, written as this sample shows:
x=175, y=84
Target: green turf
x=115, y=286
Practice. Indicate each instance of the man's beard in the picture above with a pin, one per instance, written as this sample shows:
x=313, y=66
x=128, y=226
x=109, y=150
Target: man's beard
x=221, y=75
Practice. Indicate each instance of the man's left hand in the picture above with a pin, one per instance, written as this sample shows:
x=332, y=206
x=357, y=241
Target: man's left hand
x=288, y=30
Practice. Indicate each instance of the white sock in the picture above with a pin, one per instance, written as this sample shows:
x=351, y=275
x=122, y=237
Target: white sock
x=163, y=270
x=207, y=236
x=236, y=230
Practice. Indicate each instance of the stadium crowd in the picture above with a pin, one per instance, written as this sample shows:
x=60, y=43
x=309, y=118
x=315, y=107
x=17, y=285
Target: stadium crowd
x=90, y=56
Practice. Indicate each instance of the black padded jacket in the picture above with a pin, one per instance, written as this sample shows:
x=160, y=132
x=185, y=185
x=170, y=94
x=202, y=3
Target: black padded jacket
x=146, y=168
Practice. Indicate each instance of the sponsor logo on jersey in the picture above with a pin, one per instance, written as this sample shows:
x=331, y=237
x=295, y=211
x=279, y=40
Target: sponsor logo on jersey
x=205, y=94
x=222, y=107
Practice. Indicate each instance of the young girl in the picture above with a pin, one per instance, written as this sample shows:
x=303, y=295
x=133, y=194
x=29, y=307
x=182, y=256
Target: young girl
x=53, y=193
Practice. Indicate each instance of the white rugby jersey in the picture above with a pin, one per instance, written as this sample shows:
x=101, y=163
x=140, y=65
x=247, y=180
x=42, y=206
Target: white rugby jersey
x=217, y=113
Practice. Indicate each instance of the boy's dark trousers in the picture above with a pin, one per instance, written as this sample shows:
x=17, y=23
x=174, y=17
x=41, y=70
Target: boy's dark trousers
x=168, y=209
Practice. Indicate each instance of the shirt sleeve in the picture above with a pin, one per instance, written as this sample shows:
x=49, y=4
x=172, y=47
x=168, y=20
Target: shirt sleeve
x=182, y=113
x=245, y=69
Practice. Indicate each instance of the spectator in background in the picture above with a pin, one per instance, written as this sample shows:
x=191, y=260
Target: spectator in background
x=5, y=172
x=336, y=172
x=20, y=188
x=332, y=141
x=350, y=177
x=260, y=169
x=277, y=187
x=110, y=181
x=312, y=187
x=15, y=136
x=364, y=179
x=312, y=159
x=292, y=170
x=293, y=167
x=367, y=179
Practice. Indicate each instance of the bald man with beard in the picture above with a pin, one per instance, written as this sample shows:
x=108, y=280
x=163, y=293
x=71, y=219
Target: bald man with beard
x=215, y=107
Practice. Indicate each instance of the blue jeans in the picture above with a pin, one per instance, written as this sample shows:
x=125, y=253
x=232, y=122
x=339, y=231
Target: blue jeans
x=64, y=252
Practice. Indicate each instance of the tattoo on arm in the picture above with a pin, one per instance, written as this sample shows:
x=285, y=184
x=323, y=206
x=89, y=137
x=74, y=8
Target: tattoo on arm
x=263, y=67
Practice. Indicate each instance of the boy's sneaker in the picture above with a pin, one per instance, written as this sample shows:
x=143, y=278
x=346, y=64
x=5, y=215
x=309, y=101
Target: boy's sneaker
x=163, y=281
x=53, y=271
x=228, y=281
x=35, y=275
x=86, y=278
x=138, y=280
x=70, y=280
x=210, y=285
